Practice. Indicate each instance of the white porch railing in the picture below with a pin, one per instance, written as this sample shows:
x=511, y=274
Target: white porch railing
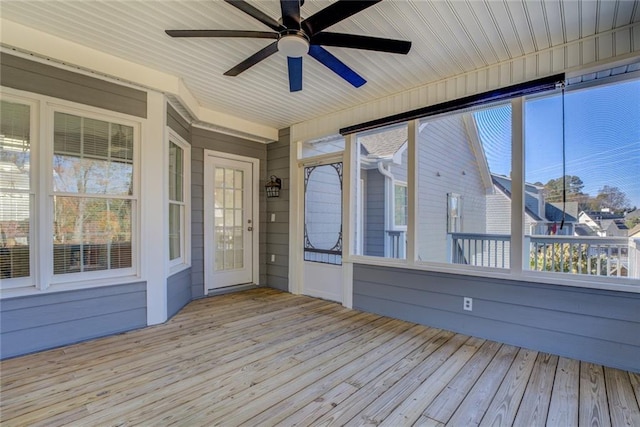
x=602, y=256
x=483, y=250
x=396, y=244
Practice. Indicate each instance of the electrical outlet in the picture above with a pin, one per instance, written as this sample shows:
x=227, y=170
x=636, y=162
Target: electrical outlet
x=273, y=258
x=467, y=304
x=273, y=217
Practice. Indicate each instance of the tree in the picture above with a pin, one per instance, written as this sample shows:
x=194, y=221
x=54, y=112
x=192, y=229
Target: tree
x=573, y=186
x=612, y=198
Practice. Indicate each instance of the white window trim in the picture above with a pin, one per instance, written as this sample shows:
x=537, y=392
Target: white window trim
x=42, y=278
x=52, y=107
x=393, y=203
x=34, y=175
x=517, y=272
x=184, y=260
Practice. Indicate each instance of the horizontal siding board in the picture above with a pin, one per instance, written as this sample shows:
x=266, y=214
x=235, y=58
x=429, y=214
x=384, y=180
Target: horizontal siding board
x=62, y=312
x=179, y=125
x=593, y=325
x=178, y=291
x=616, y=355
x=277, y=232
x=56, y=335
x=484, y=308
x=31, y=76
x=589, y=302
x=33, y=323
x=31, y=301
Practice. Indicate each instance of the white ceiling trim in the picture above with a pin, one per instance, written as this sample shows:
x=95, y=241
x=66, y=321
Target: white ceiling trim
x=595, y=52
x=24, y=38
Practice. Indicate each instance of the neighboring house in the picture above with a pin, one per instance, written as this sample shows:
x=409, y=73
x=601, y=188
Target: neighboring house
x=383, y=179
x=604, y=223
x=635, y=232
x=540, y=217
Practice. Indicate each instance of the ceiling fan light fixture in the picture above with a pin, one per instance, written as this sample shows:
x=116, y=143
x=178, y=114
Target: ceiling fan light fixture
x=293, y=46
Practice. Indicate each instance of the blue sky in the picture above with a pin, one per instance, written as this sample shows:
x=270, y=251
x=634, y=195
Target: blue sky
x=602, y=126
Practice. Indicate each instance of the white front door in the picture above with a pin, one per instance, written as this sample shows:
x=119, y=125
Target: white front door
x=322, y=245
x=230, y=249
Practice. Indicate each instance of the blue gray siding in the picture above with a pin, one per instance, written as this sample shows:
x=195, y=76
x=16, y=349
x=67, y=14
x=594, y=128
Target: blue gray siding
x=36, y=77
x=179, y=125
x=277, y=232
x=178, y=291
x=446, y=164
x=591, y=325
x=374, y=213
x=39, y=322
x=202, y=139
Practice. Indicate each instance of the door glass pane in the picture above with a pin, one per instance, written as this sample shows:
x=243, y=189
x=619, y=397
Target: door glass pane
x=229, y=219
x=323, y=214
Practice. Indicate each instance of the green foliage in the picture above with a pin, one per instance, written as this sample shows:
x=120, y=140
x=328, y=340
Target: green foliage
x=573, y=185
x=568, y=258
x=608, y=196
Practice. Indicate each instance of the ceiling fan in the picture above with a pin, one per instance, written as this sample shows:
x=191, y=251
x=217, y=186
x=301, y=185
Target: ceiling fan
x=295, y=36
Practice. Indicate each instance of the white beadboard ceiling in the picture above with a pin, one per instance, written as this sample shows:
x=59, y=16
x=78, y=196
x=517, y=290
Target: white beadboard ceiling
x=450, y=37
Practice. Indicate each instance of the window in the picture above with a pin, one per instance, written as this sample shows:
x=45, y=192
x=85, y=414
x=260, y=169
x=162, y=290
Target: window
x=68, y=193
x=465, y=156
x=382, y=199
x=93, y=198
x=454, y=213
x=585, y=184
x=318, y=147
x=400, y=214
x=15, y=191
x=179, y=155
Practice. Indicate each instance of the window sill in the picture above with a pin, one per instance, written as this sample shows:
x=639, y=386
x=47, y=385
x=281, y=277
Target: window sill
x=68, y=286
x=174, y=269
x=618, y=285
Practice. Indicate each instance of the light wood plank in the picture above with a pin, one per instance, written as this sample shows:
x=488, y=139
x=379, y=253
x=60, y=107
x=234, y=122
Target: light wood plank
x=263, y=357
x=475, y=404
x=412, y=407
x=534, y=407
x=563, y=409
x=594, y=409
x=634, y=377
x=240, y=368
x=353, y=405
x=88, y=383
x=309, y=413
x=443, y=407
x=382, y=406
x=623, y=406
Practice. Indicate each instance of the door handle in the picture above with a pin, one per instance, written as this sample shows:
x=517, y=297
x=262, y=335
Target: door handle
x=249, y=228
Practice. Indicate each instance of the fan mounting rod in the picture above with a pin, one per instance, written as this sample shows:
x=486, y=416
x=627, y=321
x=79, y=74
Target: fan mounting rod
x=293, y=44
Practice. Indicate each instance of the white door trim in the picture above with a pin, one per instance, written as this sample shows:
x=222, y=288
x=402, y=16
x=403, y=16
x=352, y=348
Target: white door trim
x=255, y=237
x=296, y=221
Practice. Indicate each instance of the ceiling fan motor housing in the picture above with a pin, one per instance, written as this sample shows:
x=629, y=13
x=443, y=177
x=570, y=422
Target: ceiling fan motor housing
x=293, y=44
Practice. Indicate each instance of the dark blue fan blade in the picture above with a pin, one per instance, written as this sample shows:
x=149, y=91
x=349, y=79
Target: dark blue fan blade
x=334, y=64
x=295, y=74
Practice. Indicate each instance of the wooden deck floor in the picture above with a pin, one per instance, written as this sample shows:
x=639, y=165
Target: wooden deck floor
x=262, y=357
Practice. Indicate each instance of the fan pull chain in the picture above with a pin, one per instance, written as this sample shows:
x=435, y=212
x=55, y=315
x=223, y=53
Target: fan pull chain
x=564, y=164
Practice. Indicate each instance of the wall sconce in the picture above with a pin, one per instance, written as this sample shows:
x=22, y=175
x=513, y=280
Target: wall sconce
x=273, y=186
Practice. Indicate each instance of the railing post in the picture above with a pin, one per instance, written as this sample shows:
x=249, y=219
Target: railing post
x=526, y=253
x=634, y=258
